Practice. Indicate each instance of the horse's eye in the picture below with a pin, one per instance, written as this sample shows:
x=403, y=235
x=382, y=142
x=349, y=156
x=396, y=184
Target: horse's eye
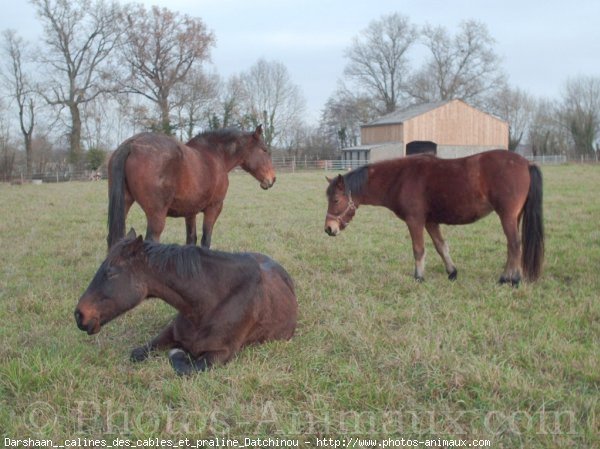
x=111, y=272
x=336, y=200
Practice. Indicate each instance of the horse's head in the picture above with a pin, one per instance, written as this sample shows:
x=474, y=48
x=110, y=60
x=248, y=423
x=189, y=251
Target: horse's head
x=340, y=207
x=257, y=160
x=115, y=288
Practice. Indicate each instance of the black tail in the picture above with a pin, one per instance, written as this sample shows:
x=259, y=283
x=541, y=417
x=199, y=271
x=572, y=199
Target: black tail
x=116, y=195
x=533, y=227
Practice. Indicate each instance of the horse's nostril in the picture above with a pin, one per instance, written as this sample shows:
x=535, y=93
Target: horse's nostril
x=328, y=229
x=78, y=318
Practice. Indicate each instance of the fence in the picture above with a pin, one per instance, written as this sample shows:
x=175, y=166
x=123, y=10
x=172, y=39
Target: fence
x=293, y=164
x=548, y=159
x=53, y=176
x=281, y=164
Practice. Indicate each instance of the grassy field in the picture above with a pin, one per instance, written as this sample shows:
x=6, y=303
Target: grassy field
x=375, y=354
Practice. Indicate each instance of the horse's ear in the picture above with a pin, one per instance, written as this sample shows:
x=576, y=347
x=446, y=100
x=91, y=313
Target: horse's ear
x=328, y=179
x=258, y=131
x=131, y=234
x=134, y=248
x=339, y=182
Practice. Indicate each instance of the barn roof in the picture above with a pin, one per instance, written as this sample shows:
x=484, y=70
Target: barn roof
x=405, y=114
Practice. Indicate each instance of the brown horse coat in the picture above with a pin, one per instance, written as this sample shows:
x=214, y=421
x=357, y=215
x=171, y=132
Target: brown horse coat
x=169, y=178
x=225, y=301
x=426, y=191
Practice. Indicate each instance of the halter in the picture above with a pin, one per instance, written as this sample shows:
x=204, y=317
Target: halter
x=339, y=218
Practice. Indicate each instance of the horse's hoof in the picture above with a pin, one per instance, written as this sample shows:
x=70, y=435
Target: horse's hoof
x=180, y=362
x=453, y=275
x=139, y=354
x=419, y=279
x=514, y=282
x=201, y=364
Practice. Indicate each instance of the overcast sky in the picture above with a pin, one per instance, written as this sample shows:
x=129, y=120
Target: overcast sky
x=542, y=42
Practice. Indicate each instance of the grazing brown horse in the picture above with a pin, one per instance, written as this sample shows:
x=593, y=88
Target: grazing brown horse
x=168, y=178
x=225, y=301
x=425, y=191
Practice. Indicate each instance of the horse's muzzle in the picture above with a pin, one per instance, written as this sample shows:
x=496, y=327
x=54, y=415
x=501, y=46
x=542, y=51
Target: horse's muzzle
x=91, y=327
x=331, y=231
x=268, y=183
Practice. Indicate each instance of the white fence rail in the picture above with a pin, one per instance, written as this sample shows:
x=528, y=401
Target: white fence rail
x=548, y=159
x=285, y=165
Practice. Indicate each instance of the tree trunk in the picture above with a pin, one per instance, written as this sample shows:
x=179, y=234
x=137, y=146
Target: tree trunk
x=28, y=155
x=75, y=136
x=165, y=122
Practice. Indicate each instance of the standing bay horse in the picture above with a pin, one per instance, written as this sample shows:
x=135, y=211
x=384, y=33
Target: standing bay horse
x=169, y=178
x=225, y=301
x=425, y=191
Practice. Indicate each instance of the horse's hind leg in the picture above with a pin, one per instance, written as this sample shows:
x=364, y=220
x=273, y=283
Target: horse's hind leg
x=512, y=269
x=442, y=248
x=416, y=234
x=156, y=225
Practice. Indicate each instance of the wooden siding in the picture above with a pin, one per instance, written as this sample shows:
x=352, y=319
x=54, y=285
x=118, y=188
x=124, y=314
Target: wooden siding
x=457, y=124
x=370, y=135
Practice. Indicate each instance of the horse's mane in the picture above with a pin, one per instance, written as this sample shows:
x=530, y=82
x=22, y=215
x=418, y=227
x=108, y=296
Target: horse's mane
x=218, y=140
x=355, y=181
x=185, y=260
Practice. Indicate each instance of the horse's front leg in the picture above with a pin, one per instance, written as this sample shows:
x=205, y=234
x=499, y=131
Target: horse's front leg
x=190, y=230
x=164, y=340
x=211, y=213
x=442, y=248
x=185, y=364
x=415, y=228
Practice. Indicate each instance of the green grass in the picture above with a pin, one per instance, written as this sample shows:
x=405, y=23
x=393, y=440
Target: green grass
x=375, y=354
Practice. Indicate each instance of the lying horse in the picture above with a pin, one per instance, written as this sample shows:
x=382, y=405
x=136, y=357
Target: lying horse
x=225, y=301
x=425, y=191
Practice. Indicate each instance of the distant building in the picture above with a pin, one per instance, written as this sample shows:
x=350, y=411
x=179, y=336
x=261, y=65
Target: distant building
x=448, y=129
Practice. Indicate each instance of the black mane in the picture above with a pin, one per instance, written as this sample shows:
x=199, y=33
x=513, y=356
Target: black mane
x=356, y=180
x=185, y=260
x=224, y=139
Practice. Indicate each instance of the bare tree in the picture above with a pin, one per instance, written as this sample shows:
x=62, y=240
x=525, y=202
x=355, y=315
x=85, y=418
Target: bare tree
x=7, y=151
x=580, y=112
x=160, y=48
x=194, y=98
x=378, y=59
x=516, y=107
x=272, y=99
x=228, y=109
x=546, y=135
x=344, y=113
x=464, y=66
x=79, y=36
x=21, y=90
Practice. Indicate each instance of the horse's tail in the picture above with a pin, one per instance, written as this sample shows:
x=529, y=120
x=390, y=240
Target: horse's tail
x=533, y=227
x=116, y=194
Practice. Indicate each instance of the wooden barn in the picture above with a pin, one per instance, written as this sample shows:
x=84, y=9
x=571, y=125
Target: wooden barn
x=448, y=129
